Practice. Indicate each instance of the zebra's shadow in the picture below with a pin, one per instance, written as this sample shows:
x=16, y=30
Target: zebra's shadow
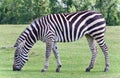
x=50, y=71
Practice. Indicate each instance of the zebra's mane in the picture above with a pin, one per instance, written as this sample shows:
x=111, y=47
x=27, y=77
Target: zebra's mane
x=18, y=41
x=23, y=37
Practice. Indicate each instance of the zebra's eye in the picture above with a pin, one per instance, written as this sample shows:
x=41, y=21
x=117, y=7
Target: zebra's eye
x=16, y=55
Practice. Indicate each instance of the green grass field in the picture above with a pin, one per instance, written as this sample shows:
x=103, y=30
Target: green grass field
x=75, y=57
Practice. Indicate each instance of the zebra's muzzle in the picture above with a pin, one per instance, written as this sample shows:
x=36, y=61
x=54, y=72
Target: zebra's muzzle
x=16, y=68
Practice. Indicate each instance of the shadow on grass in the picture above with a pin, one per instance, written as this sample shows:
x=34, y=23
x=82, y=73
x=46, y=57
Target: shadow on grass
x=53, y=71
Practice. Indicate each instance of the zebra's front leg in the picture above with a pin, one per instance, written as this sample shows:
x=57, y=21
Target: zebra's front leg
x=49, y=45
x=93, y=48
x=56, y=53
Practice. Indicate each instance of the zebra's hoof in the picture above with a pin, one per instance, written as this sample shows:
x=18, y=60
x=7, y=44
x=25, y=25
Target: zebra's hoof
x=87, y=70
x=106, y=70
x=43, y=70
x=58, y=70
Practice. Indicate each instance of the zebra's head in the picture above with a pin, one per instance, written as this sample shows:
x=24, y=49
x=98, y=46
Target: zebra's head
x=20, y=56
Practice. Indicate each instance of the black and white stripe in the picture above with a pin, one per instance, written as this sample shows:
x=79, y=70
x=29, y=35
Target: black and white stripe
x=65, y=27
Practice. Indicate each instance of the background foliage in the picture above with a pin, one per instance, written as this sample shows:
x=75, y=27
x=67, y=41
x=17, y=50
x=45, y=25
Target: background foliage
x=24, y=11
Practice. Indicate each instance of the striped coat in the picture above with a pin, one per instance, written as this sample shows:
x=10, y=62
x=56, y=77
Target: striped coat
x=65, y=27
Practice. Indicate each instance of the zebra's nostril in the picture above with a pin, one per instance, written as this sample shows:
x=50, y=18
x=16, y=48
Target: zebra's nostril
x=15, y=68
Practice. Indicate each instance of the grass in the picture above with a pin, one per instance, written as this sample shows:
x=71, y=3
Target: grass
x=75, y=57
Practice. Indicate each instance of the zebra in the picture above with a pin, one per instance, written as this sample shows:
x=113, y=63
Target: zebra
x=62, y=27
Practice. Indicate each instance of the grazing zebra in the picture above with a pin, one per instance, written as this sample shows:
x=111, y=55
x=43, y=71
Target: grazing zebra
x=64, y=27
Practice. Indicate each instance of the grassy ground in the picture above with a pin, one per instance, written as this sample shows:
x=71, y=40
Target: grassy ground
x=75, y=57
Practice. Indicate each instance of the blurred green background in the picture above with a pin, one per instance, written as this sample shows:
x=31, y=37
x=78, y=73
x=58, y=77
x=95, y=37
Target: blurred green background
x=24, y=11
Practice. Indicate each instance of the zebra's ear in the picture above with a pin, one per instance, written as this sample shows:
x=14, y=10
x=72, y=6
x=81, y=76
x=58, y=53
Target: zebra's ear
x=19, y=45
x=15, y=45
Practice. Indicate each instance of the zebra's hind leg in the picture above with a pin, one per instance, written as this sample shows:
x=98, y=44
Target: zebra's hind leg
x=93, y=48
x=56, y=53
x=99, y=37
x=105, y=52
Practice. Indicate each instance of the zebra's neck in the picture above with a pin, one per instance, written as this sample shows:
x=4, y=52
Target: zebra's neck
x=35, y=31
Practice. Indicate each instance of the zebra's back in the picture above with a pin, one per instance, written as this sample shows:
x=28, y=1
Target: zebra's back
x=72, y=26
